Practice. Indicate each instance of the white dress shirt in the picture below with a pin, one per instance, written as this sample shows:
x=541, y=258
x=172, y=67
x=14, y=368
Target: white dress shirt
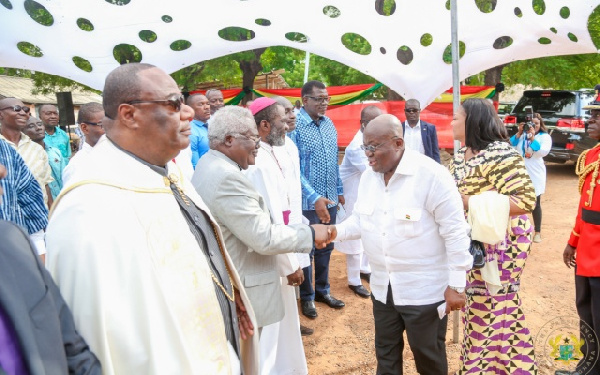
x=413, y=138
x=413, y=230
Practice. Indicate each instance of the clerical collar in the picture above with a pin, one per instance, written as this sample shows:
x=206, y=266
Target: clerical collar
x=156, y=168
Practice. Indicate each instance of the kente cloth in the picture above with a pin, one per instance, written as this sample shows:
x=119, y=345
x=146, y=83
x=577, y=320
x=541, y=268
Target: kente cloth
x=134, y=275
x=496, y=339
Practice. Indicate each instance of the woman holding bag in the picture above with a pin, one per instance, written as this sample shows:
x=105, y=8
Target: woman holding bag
x=533, y=144
x=495, y=335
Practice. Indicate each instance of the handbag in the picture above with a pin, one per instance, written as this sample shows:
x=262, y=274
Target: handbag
x=477, y=250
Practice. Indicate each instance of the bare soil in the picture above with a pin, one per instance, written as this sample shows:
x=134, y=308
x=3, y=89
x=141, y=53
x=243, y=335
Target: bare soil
x=343, y=342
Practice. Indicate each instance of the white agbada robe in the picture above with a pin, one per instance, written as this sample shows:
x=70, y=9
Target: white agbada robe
x=353, y=165
x=281, y=347
x=133, y=274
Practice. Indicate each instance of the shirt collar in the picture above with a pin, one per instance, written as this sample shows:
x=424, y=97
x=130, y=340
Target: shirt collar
x=24, y=139
x=408, y=164
x=266, y=146
x=307, y=117
x=156, y=168
x=222, y=156
x=418, y=126
x=198, y=122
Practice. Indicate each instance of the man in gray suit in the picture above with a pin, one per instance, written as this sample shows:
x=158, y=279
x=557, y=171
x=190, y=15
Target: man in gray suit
x=251, y=238
x=37, y=331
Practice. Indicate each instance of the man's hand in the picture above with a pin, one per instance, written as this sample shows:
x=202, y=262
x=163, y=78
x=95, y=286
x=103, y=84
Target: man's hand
x=322, y=235
x=454, y=300
x=244, y=321
x=296, y=278
x=341, y=199
x=332, y=233
x=569, y=255
x=321, y=209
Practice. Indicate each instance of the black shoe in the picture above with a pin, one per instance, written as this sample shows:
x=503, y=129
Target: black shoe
x=330, y=301
x=366, y=277
x=360, y=290
x=305, y=331
x=308, y=309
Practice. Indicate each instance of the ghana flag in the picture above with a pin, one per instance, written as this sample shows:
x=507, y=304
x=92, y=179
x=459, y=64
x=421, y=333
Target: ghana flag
x=340, y=95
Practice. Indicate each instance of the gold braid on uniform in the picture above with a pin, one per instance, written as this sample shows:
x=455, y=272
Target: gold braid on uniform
x=583, y=171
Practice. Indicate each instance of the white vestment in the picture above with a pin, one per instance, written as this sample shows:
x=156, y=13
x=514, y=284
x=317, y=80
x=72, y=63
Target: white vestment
x=133, y=274
x=281, y=347
x=289, y=159
x=77, y=161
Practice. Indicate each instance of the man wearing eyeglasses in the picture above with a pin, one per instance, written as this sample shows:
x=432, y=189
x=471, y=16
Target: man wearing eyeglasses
x=89, y=119
x=136, y=253
x=55, y=136
x=215, y=100
x=13, y=119
x=35, y=131
x=322, y=189
x=419, y=135
x=409, y=216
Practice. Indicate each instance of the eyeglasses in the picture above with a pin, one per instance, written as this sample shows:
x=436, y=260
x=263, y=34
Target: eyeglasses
x=376, y=147
x=320, y=100
x=17, y=108
x=255, y=139
x=94, y=124
x=175, y=102
x=412, y=110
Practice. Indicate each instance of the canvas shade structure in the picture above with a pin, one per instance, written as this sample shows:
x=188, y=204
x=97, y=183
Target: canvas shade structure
x=405, y=50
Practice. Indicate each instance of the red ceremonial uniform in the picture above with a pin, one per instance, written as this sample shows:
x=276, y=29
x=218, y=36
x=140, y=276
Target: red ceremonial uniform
x=585, y=236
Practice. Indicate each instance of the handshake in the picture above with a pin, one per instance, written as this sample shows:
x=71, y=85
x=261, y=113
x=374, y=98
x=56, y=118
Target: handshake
x=324, y=234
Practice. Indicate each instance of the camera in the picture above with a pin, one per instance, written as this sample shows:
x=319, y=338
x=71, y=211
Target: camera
x=528, y=119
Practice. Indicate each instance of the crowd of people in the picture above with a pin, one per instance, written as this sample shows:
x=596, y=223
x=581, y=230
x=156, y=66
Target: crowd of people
x=183, y=232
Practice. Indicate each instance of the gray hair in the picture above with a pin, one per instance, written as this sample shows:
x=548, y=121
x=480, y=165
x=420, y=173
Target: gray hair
x=229, y=120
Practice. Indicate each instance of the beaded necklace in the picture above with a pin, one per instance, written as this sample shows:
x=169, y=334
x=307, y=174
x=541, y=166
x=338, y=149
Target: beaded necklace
x=583, y=171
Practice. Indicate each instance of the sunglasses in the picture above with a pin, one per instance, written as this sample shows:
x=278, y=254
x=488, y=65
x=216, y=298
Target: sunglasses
x=175, y=102
x=17, y=108
x=411, y=110
x=94, y=124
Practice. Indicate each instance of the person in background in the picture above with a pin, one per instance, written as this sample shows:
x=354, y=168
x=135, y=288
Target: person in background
x=215, y=100
x=533, y=143
x=353, y=165
x=419, y=135
x=35, y=131
x=495, y=332
x=581, y=251
x=199, y=136
x=55, y=136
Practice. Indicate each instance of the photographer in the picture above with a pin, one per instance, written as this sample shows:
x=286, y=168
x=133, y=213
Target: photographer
x=533, y=143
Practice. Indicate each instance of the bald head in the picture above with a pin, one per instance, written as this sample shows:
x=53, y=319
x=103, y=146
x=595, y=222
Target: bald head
x=368, y=114
x=384, y=144
x=122, y=85
x=386, y=125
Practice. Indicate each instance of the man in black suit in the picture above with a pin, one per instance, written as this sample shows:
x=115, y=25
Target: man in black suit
x=419, y=135
x=37, y=331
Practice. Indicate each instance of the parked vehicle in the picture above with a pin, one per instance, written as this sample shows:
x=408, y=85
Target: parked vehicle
x=563, y=116
x=504, y=108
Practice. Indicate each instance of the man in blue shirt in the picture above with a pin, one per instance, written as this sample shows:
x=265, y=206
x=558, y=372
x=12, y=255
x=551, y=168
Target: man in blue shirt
x=322, y=189
x=199, y=136
x=55, y=136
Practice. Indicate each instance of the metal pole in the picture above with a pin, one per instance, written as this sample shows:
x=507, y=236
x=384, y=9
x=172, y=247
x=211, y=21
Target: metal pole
x=455, y=105
x=306, y=66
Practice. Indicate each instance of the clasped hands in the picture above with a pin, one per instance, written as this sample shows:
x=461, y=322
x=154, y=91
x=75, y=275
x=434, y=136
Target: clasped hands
x=324, y=234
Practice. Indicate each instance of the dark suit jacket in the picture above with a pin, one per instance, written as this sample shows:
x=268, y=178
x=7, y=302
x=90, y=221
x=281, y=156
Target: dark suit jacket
x=430, y=140
x=46, y=331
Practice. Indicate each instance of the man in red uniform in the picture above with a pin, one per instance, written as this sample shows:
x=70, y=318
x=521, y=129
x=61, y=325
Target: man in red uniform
x=583, y=249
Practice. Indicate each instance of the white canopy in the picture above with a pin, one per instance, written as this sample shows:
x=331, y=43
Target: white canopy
x=561, y=29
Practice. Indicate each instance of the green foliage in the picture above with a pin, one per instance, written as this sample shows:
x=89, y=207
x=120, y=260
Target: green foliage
x=486, y=6
x=568, y=72
x=539, y=6
x=593, y=25
x=30, y=49
x=38, y=13
x=385, y=7
x=356, y=43
x=331, y=11
x=447, y=56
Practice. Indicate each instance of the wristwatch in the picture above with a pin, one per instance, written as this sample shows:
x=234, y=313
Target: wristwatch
x=456, y=289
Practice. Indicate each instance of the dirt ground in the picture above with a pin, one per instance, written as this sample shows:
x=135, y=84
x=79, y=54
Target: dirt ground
x=343, y=339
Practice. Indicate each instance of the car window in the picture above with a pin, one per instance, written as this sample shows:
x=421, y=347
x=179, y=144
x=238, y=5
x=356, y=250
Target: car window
x=547, y=103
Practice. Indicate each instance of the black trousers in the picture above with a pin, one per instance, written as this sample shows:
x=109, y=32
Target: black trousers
x=537, y=215
x=425, y=331
x=587, y=300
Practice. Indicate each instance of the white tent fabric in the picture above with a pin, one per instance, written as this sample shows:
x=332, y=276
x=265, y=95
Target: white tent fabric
x=199, y=21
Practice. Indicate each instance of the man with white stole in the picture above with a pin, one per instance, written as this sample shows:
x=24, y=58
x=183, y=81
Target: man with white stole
x=281, y=348
x=136, y=253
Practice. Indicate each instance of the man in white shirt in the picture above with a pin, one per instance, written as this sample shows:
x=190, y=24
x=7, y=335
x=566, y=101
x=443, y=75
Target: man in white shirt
x=353, y=165
x=410, y=218
x=89, y=119
x=419, y=135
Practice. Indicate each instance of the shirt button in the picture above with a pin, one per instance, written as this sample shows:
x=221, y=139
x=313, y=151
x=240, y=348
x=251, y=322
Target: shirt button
x=196, y=218
x=385, y=212
x=211, y=253
x=383, y=234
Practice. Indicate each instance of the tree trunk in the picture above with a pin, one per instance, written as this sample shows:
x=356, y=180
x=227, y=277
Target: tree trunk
x=250, y=68
x=494, y=76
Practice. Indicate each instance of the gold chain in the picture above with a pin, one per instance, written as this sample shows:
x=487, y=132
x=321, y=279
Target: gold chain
x=230, y=297
x=583, y=171
x=174, y=180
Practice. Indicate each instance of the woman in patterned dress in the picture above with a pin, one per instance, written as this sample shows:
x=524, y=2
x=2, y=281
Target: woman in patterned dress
x=496, y=338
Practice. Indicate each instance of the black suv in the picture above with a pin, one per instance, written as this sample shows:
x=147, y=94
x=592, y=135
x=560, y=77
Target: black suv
x=564, y=117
